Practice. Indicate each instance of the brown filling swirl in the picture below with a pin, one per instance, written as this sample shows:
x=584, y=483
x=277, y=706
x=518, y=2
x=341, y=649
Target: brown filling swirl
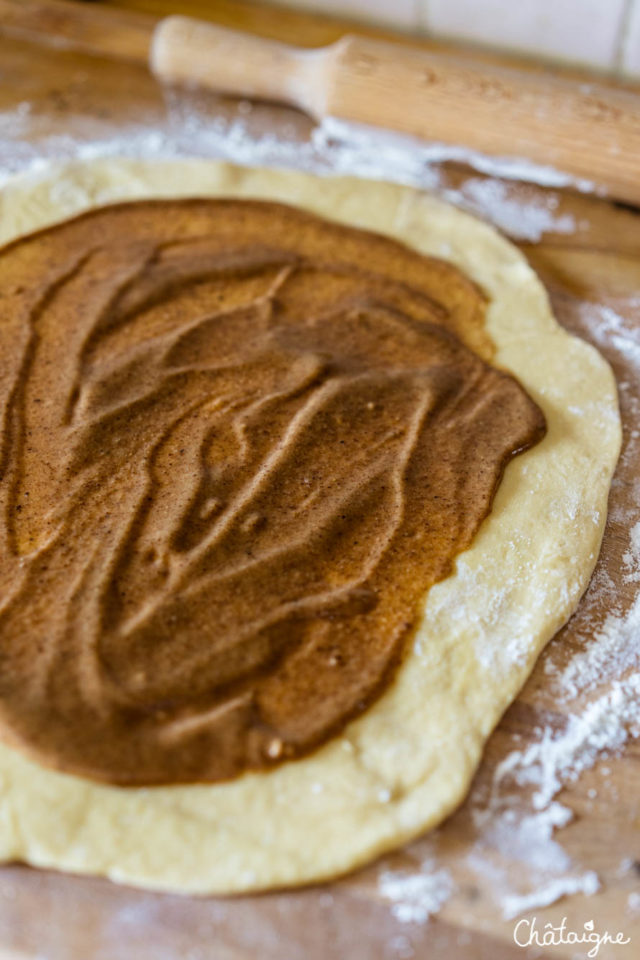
x=239, y=445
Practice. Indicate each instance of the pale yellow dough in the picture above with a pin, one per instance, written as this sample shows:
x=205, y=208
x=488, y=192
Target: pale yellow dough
x=406, y=763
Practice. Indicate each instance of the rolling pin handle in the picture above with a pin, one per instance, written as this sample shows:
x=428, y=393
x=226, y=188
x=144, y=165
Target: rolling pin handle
x=191, y=52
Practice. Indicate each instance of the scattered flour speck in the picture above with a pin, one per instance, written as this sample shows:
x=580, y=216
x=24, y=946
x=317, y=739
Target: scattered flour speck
x=414, y=897
x=588, y=884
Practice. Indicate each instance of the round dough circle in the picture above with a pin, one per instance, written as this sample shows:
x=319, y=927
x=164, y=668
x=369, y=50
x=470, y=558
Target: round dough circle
x=407, y=762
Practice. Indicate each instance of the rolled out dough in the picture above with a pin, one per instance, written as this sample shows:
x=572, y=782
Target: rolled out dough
x=408, y=761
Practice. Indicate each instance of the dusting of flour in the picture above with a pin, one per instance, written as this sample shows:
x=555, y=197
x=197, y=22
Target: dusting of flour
x=332, y=147
x=416, y=895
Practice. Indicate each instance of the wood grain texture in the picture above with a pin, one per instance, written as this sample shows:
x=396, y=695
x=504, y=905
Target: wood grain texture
x=49, y=915
x=589, y=131
x=92, y=28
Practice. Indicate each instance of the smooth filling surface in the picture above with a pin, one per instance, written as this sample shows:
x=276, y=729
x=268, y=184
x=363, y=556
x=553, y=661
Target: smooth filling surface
x=239, y=445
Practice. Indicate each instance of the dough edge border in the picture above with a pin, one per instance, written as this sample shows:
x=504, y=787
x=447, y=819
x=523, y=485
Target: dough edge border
x=407, y=763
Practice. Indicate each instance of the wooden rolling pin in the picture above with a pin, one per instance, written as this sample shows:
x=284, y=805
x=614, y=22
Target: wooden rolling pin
x=588, y=130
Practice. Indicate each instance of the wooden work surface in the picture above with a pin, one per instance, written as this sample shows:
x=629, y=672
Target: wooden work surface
x=596, y=265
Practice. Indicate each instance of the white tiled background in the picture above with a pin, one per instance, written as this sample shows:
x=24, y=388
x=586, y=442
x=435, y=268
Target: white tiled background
x=600, y=33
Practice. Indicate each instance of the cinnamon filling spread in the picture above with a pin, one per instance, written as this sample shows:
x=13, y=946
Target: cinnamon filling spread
x=239, y=444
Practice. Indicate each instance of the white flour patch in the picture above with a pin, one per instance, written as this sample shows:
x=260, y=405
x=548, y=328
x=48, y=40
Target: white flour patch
x=553, y=891
x=613, y=650
x=556, y=759
x=401, y=149
x=633, y=902
x=631, y=558
x=414, y=897
x=493, y=200
x=332, y=148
